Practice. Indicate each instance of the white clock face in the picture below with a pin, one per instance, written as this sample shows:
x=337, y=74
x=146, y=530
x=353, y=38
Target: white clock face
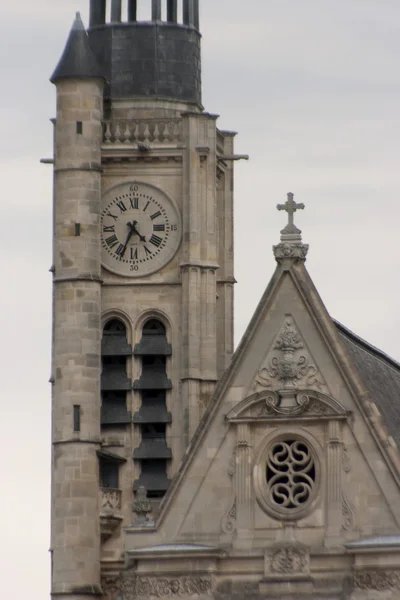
x=140, y=229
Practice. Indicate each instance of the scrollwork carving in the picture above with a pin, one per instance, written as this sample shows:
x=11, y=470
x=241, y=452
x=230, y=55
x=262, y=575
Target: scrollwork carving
x=162, y=587
x=289, y=366
x=348, y=510
x=377, y=580
x=129, y=588
x=290, y=250
x=288, y=560
x=228, y=524
x=303, y=404
x=290, y=474
x=112, y=587
x=345, y=459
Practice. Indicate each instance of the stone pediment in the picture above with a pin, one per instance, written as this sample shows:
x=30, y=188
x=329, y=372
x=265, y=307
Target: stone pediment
x=303, y=404
x=289, y=363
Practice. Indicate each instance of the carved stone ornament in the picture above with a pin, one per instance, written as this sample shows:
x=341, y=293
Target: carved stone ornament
x=290, y=250
x=348, y=508
x=288, y=559
x=345, y=459
x=130, y=588
x=141, y=506
x=290, y=365
x=377, y=580
x=110, y=500
x=228, y=524
x=272, y=405
x=348, y=513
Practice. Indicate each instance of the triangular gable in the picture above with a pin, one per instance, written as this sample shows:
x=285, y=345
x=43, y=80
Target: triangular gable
x=203, y=501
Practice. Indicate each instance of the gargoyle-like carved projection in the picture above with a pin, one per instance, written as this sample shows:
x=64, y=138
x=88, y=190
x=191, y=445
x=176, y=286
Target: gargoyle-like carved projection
x=289, y=364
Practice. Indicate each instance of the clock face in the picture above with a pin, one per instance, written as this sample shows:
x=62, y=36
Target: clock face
x=140, y=229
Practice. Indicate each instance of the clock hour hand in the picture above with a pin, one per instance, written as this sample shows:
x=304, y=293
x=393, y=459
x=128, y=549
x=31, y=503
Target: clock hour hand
x=141, y=237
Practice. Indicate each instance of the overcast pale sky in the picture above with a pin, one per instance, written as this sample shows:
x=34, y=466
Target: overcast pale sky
x=313, y=88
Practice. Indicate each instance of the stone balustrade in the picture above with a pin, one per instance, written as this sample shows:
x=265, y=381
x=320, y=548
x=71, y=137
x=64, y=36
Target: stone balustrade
x=164, y=132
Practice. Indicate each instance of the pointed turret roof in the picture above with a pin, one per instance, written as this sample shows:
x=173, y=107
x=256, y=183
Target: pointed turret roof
x=77, y=60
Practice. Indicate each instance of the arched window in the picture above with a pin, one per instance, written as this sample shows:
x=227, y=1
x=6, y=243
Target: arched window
x=152, y=418
x=154, y=327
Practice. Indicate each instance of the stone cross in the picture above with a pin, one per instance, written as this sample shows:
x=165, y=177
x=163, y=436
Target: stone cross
x=290, y=206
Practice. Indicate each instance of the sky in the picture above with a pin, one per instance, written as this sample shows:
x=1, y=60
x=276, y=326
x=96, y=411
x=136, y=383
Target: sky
x=313, y=88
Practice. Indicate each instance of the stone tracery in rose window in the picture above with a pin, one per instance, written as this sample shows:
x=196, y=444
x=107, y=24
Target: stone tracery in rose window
x=287, y=476
x=290, y=474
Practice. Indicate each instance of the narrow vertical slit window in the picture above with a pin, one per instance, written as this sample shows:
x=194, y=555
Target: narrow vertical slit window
x=79, y=127
x=77, y=229
x=77, y=417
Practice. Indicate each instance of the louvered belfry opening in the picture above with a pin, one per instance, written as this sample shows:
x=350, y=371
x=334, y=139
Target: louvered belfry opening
x=115, y=383
x=152, y=419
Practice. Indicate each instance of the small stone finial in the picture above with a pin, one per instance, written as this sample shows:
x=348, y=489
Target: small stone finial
x=78, y=23
x=141, y=506
x=290, y=206
x=291, y=245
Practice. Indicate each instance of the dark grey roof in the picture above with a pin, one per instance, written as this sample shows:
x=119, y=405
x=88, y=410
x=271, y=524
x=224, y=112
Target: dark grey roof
x=77, y=60
x=381, y=377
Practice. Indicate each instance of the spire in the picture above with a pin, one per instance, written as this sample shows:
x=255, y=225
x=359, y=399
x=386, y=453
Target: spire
x=291, y=246
x=77, y=60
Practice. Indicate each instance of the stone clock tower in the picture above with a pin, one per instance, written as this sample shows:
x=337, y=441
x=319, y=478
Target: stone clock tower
x=143, y=274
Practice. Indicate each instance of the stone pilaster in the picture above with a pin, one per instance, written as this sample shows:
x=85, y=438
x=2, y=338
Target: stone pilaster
x=243, y=480
x=199, y=267
x=225, y=274
x=334, y=484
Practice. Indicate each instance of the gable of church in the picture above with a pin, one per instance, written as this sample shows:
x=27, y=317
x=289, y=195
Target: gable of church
x=291, y=462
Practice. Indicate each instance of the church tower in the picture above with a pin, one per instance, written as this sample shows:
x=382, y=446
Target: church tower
x=143, y=274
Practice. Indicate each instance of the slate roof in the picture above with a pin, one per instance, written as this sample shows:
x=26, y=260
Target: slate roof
x=77, y=60
x=381, y=377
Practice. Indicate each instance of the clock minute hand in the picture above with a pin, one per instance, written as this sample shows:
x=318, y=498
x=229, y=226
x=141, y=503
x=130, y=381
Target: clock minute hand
x=132, y=227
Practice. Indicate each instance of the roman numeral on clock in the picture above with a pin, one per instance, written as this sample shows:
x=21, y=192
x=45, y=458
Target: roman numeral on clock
x=112, y=241
x=148, y=252
x=134, y=254
x=109, y=229
x=158, y=227
x=121, y=206
x=108, y=214
x=156, y=214
x=155, y=240
x=120, y=249
x=134, y=202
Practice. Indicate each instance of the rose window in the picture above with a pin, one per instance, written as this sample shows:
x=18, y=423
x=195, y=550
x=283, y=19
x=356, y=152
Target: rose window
x=290, y=475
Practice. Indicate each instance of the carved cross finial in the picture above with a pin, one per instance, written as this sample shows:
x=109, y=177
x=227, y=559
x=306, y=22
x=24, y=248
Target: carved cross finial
x=290, y=206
